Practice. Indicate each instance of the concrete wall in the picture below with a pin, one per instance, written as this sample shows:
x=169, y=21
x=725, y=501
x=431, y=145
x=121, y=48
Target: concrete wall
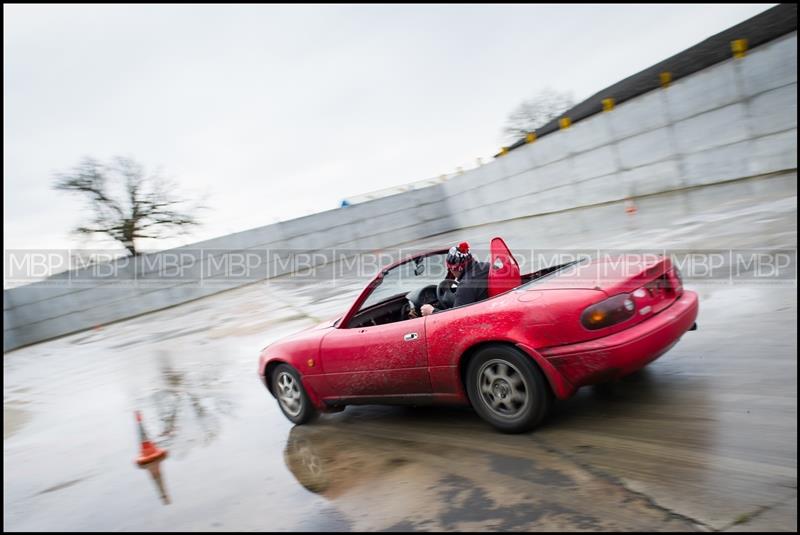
x=732, y=120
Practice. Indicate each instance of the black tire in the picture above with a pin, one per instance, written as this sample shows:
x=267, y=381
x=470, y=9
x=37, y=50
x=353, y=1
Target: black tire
x=507, y=389
x=291, y=396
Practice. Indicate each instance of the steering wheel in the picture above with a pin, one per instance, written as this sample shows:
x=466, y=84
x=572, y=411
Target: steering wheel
x=420, y=296
x=446, y=293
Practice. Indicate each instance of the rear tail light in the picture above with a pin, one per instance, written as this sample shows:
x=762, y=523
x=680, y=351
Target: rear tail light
x=609, y=312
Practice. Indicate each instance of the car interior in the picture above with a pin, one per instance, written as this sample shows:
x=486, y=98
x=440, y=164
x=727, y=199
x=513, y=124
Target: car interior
x=411, y=290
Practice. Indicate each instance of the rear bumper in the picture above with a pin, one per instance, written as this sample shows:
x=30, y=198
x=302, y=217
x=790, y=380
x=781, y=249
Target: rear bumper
x=626, y=351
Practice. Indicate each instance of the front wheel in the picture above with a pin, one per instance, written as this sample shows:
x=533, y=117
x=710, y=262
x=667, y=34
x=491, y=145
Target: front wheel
x=291, y=396
x=507, y=390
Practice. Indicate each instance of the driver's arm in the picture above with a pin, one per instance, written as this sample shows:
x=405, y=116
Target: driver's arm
x=467, y=294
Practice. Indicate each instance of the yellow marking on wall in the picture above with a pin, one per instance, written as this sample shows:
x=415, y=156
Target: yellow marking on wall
x=739, y=48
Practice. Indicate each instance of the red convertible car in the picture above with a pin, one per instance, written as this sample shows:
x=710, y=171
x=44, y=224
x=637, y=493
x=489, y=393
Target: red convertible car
x=537, y=336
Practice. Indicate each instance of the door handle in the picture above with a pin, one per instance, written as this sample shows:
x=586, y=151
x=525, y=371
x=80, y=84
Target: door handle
x=410, y=336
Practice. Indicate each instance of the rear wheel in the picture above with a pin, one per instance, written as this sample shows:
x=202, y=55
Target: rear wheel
x=291, y=396
x=507, y=390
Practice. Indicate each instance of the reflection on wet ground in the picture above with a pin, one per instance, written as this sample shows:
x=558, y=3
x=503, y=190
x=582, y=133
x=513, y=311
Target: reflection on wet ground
x=419, y=485
x=154, y=470
x=190, y=403
x=705, y=438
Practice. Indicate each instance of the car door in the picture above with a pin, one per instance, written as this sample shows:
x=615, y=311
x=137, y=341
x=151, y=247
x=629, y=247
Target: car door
x=377, y=361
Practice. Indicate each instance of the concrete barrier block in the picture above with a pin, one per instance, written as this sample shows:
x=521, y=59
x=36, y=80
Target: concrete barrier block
x=524, y=184
x=531, y=182
x=310, y=224
x=551, y=200
x=480, y=215
x=396, y=203
x=499, y=191
x=243, y=238
x=645, y=148
x=717, y=164
x=465, y=198
x=117, y=310
x=492, y=172
x=651, y=178
x=597, y=190
x=554, y=175
x=472, y=178
x=433, y=227
x=393, y=220
x=47, y=309
x=771, y=65
x=713, y=87
x=774, y=111
x=517, y=161
x=31, y=293
x=75, y=302
x=712, y=129
x=774, y=153
x=588, y=134
x=309, y=242
x=551, y=148
x=641, y=114
x=221, y=263
x=437, y=215
x=477, y=215
x=594, y=163
x=10, y=338
x=432, y=210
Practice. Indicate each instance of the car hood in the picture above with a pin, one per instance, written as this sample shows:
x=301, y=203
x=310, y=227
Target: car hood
x=330, y=322
x=302, y=333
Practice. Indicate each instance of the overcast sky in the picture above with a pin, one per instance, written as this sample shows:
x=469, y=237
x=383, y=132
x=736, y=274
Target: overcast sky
x=273, y=112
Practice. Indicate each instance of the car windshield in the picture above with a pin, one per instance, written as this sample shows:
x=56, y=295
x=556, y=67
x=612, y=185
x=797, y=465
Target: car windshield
x=408, y=276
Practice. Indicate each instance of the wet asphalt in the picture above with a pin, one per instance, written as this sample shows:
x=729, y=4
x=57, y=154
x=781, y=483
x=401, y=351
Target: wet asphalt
x=704, y=438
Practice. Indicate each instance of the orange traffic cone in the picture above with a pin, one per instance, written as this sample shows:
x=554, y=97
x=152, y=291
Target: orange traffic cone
x=150, y=452
x=630, y=206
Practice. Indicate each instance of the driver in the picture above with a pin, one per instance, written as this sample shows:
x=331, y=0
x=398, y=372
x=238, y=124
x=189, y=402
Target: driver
x=470, y=274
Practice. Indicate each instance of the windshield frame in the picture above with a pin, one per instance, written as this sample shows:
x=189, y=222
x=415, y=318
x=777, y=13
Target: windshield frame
x=377, y=281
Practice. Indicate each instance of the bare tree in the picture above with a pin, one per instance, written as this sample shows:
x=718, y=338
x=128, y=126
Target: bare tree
x=127, y=203
x=535, y=112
